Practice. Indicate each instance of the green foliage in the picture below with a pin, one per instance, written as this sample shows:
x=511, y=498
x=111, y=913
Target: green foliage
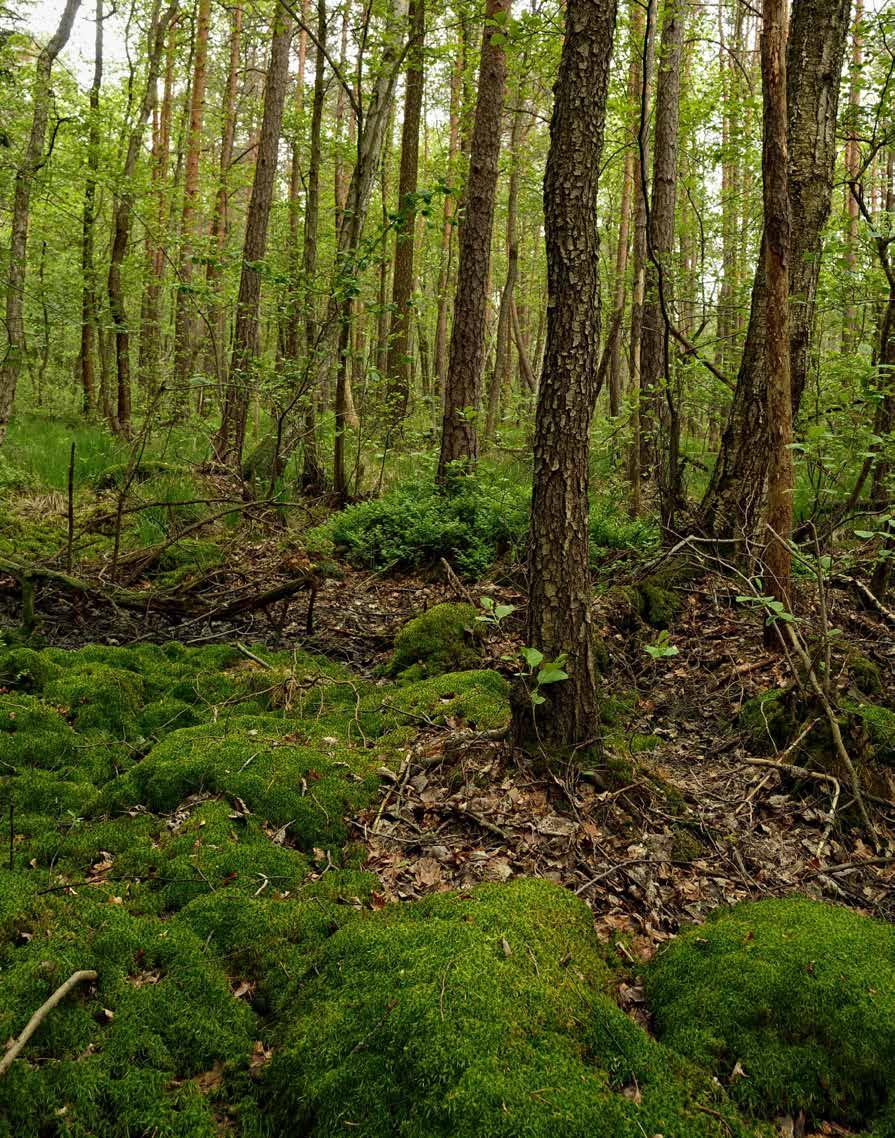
x=662, y=649
x=477, y=699
x=123, y=1049
x=414, y=524
x=438, y=640
x=479, y=1015
x=800, y=994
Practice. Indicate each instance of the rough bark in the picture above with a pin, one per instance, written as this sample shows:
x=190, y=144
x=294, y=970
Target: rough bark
x=459, y=437
x=654, y=356
x=89, y=316
x=817, y=39
x=184, y=309
x=31, y=163
x=852, y=168
x=121, y=224
x=559, y=620
x=230, y=439
x=399, y=357
x=777, y=558
x=447, y=222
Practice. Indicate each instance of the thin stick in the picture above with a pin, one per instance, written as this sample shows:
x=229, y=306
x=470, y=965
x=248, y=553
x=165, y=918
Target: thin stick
x=87, y=976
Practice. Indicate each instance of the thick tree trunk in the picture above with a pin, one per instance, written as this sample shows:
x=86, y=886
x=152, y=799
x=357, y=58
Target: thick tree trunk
x=184, y=309
x=777, y=557
x=31, y=162
x=654, y=354
x=817, y=38
x=559, y=620
x=121, y=226
x=462, y=394
x=89, y=315
x=230, y=439
x=616, y=357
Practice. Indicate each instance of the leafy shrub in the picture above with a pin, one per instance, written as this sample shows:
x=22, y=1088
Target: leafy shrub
x=480, y=518
x=414, y=524
x=797, y=995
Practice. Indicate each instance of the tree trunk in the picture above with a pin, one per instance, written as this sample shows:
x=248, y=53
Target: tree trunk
x=398, y=362
x=150, y=318
x=616, y=360
x=777, y=558
x=500, y=378
x=184, y=322
x=121, y=226
x=89, y=315
x=31, y=163
x=641, y=175
x=852, y=168
x=370, y=139
x=230, y=439
x=219, y=217
x=459, y=439
x=559, y=620
x=655, y=378
x=817, y=39
x=447, y=223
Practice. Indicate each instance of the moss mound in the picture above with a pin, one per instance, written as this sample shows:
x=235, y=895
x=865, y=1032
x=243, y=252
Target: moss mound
x=475, y=699
x=127, y=1051
x=442, y=639
x=800, y=994
x=475, y=1015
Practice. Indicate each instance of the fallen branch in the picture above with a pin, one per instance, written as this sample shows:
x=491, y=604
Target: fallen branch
x=866, y=595
x=87, y=976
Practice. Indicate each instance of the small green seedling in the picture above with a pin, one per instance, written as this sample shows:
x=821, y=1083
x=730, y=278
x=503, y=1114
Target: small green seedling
x=540, y=672
x=494, y=613
x=662, y=649
x=774, y=610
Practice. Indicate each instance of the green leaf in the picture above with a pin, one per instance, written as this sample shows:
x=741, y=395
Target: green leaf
x=551, y=675
x=537, y=699
x=502, y=611
x=532, y=656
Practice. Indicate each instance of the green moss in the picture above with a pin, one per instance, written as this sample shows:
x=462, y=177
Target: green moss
x=99, y=697
x=442, y=639
x=265, y=762
x=160, y=1012
x=685, y=846
x=114, y=477
x=476, y=1015
x=768, y=718
x=26, y=670
x=658, y=605
x=800, y=994
x=864, y=674
x=879, y=724
x=476, y=699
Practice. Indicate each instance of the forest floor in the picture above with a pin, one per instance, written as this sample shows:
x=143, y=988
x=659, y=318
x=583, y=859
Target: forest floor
x=262, y=768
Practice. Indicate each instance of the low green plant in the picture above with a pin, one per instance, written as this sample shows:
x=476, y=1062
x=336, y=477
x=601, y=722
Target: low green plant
x=662, y=649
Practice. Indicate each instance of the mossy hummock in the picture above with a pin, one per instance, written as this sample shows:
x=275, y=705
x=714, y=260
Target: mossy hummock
x=790, y=1002
x=479, y=1015
x=442, y=639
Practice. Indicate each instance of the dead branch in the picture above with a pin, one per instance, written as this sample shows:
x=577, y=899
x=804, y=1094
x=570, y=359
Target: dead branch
x=86, y=976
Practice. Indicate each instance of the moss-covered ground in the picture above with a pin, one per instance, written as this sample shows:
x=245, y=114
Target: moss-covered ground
x=182, y=824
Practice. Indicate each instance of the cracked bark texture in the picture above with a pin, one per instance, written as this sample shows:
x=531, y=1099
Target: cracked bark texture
x=558, y=568
x=817, y=40
x=459, y=438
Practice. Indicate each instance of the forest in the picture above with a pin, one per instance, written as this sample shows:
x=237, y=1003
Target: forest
x=447, y=568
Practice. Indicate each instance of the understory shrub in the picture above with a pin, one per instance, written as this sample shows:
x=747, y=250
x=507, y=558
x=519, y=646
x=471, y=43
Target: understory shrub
x=791, y=1002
